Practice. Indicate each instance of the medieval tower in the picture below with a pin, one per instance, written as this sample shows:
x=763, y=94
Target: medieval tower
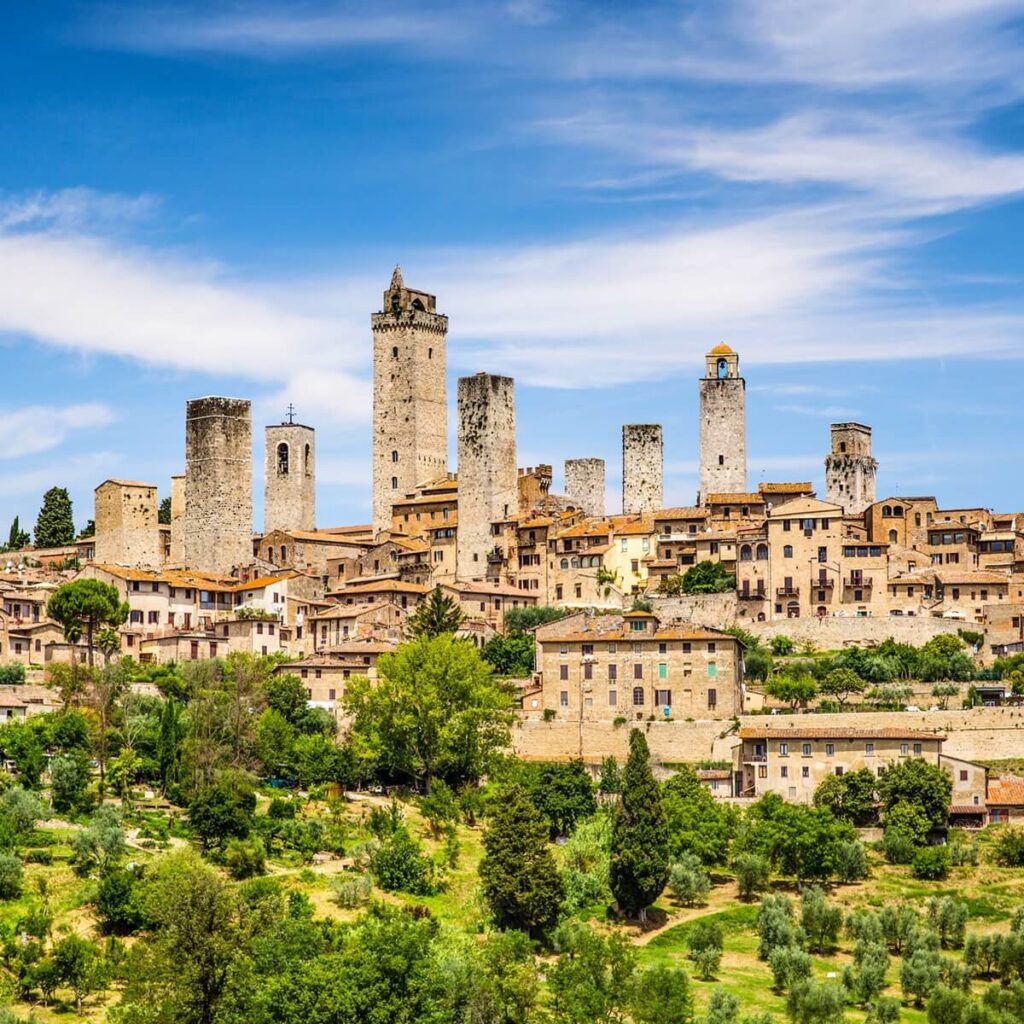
x=584, y=485
x=217, y=524
x=850, y=468
x=177, y=518
x=410, y=417
x=126, y=521
x=488, y=476
x=290, y=480
x=723, y=425
x=642, y=467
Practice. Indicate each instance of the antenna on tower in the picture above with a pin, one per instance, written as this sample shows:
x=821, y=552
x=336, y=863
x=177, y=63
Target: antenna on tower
x=291, y=413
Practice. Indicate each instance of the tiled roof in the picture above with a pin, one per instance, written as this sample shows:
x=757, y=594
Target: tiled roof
x=734, y=498
x=803, y=730
x=482, y=587
x=1006, y=791
x=681, y=512
x=721, y=349
x=383, y=587
x=708, y=774
x=670, y=633
x=795, y=488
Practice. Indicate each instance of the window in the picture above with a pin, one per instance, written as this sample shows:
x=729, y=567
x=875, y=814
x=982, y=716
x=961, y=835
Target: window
x=662, y=648
x=783, y=749
x=805, y=749
x=394, y=483
x=712, y=698
x=638, y=671
x=563, y=671
x=638, y=696
x=711, y=647
x=613, y=698
x=762, y=552
x=712, y=670
x=746, y=553
x=786, y=525
x=822, y=554
x=805, y=772
x=787, y=551
x=563, y=698
x=869, y=748
x=687, y=647
x=588, y=670
x=830, y=749
x=784, y=772
x=613, y=673
x=963, y=774
x=612, y=648
x=662, y=670
x=663, y=697
x=904, y=749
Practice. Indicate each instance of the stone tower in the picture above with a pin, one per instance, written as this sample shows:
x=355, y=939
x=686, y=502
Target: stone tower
x=723, y=425
x=584, y=485
x=126, y=520
x=850, y=468
x=217, y=526
x=642, y=467
x=410, y=398
x=177, y=518
x=488, y=476
x=290, y=478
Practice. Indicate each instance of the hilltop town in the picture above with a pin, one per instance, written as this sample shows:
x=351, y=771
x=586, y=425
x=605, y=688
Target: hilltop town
x=662, y=608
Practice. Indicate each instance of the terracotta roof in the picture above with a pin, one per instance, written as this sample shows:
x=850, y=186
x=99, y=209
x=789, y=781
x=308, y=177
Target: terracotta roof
x=801, y=730
x=721, y=350
x=356, y=611
x=671, y=633
x=1006, y=791
x=967, y=808
x=643, y=526
x=734, y=498
x=537, y=523
x=588, y=528
x=319, y=536
x=707, y=774
x=482, y=587
x=802, y=487
x=681, y=512
x=383, y=587
x=970, y=576
x=813, y=506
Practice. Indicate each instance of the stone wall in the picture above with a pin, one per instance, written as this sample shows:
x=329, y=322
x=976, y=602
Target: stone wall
x=410, y=397
x=978, y=735
x=488, y=476
x=716, y=610
x=585, y=483
x=642, y=467
x=127, y=531
x=177, y=517
x=217, y=528
x=290, y=478
x=834, y=631
x=723, y=436
x=850, y=468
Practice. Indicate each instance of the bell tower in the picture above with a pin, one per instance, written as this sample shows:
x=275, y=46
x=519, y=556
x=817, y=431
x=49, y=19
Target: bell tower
x=723, y=425
x=410, y=397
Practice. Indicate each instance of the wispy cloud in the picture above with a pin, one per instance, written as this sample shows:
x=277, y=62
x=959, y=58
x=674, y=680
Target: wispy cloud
x=38, y=428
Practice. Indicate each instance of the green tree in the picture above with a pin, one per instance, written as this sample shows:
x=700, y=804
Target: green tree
x=119, y=902
x=168, y=740
x=850, y=796
x=661, y=995
x=86, y=606
x=789, y=964
x=10, y=876
x=399, y=865
x=820, y=920
x=1008, y=848
x=688, y=880
x=55, y=525
x=435, y=616
x=865, y=979
x=220, y=812
x=930, y=863
x=75, y=961
x=723, y=1008
x=919, y=974
x=639, y=861
x=795, y=690
x=435, y=710
x=919, y=783
x=563, y=793
x=511, y=654
x=696, y=822
x=164, y=514
x=69, y=780
x=752, y=873
x=813, y=1002
x=101, y=845
x=841, y=683
x=592, y=981
x=707, y=578
x=523, y=620
x=518, y=875
x=17, y=538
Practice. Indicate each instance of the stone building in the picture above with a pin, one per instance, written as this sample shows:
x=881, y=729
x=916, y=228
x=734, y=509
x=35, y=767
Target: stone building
x=290, y=480
x=176, y=554
x=488, y=476
x=217, y=528
x=850, y=468
x=584, y=485
x=723, y=425
x=127, y=527
x=410, y=397
x=643, y=464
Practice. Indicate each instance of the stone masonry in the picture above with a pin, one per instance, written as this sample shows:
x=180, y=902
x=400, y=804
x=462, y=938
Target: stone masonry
x=723, y=428
x=217, y=528
x=488, y=476
x=642, y=467
x=290, y=478
x=177, y=517
x=850, y=468
x=127, y=531
x=410, y=417
x=584, y=484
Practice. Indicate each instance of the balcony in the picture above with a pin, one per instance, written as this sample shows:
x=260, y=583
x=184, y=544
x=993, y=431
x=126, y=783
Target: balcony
x=787, y=591
x=822, y=584
x=857, y=582
x=496, y=556
x=755, y=758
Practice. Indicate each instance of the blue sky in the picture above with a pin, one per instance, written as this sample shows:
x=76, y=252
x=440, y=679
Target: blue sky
x=209, y=199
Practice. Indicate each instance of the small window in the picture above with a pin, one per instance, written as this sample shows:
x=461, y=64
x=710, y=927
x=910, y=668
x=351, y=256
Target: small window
x=783, y=750
x=563, y=671
x=869, y=748
x=638, y=671
x=830, y=749
x=563, y=698
x=638, y=696
x=787, y=551
x=805, y=771
x=805, y=749
x=784, y=772
x=963, y=774
x=394, y=483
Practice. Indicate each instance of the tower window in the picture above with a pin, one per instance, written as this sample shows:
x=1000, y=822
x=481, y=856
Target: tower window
x=394, y=456
x=282, y=459
x=842, y=446
x=306, y=460
x=394, y=483
x=721, y=460
x=723, y=369
x=394, y=352
x=430, y=353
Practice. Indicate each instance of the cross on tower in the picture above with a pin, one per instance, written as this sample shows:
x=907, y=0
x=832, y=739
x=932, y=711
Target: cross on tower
x=291, y=413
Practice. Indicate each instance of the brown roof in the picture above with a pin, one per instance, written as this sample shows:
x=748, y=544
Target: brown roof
x=734, y=498
x=804, y=731
x=672, y=633
x=797, y=488
x=1006, y=791
x=383, y=587
x=681, y=512
x=481, y=587
x=707, y=774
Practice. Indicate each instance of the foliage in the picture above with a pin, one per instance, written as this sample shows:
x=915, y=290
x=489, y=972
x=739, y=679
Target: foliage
x=706, y=942
x=436, y=615
x=99, y=847
x=55, y=524
x=850, y=796
x=775, y=927
x=752, y=873
x=781, y=646
x=220, y=812
x=688, y=880
x=820, y=920
x=795, y=690
x=435, y=710
x=865, y=978
x=12, y=674
x=245, y=858
x=585, y=863
x=661, y=995
x=696, y=822
x=639, y=861
x=399, y=865
x=948, y=917
x=813, y=1002
x=10, y=876
x=17, y=538
x=518, y=876
x=707, y=578
x=163, y=514
x=119, y=902
x=510, y=654
x=523, y=620
x=610, y=780
x=919, y=975
x=563, y=792
x=591, y=983
x=1008, y=848
x=840, y=683
x=931, y=863
x=851, y=861
x=789, y=965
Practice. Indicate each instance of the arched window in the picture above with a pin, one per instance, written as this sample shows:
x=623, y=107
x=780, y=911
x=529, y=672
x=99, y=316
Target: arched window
x=638, y=696
x=893, y=536
x=762, y=552
x=746, y=553
x=887, y=511
x=564, y=563
x=282, y=459
x=760, y=616
x=284, y=555
x=575, y=563
x=787, y=551
x=897, y=510
x=822, y=611
x=417, y=304
x=394, y=456
x=307, y=460
x=723, y=368
x=394, y=483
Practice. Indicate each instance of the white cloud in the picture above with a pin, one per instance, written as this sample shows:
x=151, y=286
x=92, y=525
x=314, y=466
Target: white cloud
x=73, y=209
x=37, y=428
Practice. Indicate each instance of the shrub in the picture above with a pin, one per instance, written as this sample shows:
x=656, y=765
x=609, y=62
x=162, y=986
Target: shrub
x=919, y=974
x=820, y=920
x=10, y=877
x=398, y=865
x=884, y=1010
x=1008, y=849
x=812, y=1002
x=688, y=881
x=931, y=863
x=351, y=890
x=707, y=961
x=705, y=934
x=949, y=918
x=851, y=861
x=385, y=821
x=898, y=847
x=752, y=874
x=775, y=928
x=789, y=964
x=118, y=906
x=585, y=863
x=865, y=979
x=245, y=857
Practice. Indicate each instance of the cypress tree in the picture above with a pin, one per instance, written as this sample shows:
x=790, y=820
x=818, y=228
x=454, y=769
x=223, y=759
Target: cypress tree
x=639, y=854
x=518, y=875
x=55, y=526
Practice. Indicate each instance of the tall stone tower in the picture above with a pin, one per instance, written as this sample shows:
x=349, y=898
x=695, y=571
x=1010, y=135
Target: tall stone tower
x=410, y=398
x=290, y=478
x=584, y=485
x=217, y=524
x=723, y=425
x=488, y=476
x=643, y=464
x=177, y=554
x=125, y=517
x=850, y=468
